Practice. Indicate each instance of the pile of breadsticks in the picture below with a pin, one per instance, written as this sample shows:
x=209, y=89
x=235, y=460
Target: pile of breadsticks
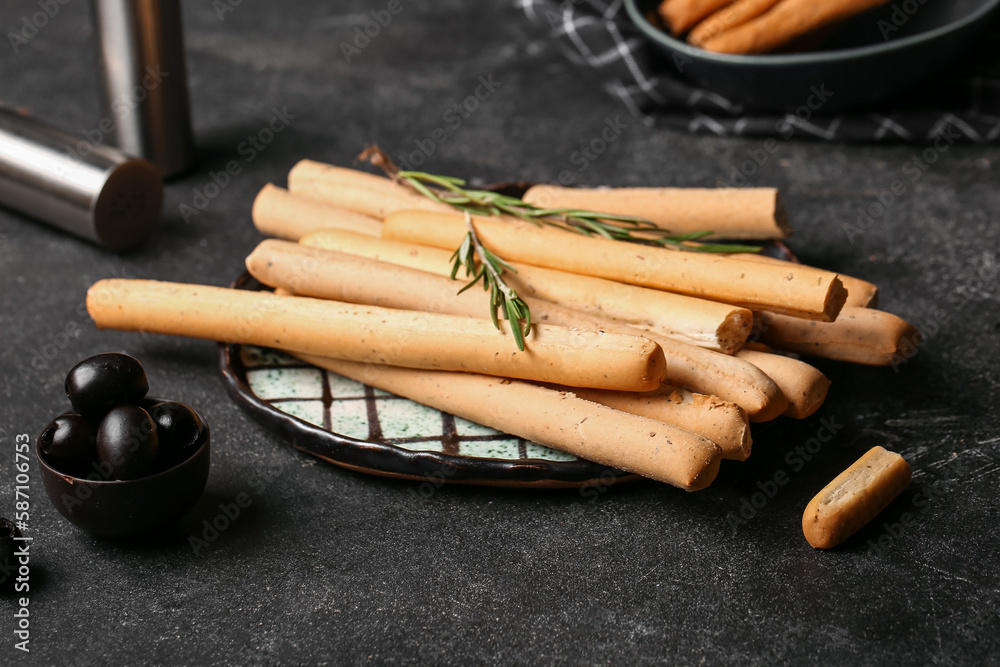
x=638, y=356
x=754, y=26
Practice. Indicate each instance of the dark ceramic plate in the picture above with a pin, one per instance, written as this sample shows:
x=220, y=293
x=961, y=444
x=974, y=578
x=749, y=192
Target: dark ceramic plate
x=862, y=62
x=369, y=430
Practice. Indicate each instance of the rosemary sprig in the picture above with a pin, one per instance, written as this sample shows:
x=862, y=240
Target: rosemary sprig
x=481, y=264
x=452, y=191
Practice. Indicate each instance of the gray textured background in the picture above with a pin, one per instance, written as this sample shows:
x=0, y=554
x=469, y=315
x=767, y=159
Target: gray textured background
x=329, y=565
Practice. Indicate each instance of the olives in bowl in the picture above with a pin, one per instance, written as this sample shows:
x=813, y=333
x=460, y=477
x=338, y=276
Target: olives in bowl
x=121, y=463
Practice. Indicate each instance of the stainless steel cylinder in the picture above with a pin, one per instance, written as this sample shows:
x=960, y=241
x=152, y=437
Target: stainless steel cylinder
x=91, y=190
x=143, y=80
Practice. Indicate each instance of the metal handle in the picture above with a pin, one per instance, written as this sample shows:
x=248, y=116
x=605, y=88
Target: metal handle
x=144, y=83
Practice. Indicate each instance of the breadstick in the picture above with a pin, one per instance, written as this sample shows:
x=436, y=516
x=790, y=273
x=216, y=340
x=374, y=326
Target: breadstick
x=708, y=324
x=375, y=202
x=300, y=270
x=731, y=213
x=860, y=335
x=727, y=377
x=798, y=291
x=277, y=212
x=680, y=15
x=556, y=419
x=804, y=387
x=328, y=274
x=860, y=293
x=332, y=275
x=720, y=421
x=689, y=366
x=855, y=497
x=376, y=335
x=310, y=170
x=728, y=18
x=786, y=21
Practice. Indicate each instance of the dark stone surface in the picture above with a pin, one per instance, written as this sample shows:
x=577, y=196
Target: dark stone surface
x=331, y=566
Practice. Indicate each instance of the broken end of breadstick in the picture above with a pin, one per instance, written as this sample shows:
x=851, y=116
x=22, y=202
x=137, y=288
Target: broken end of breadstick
x=855, y=497
x=732, y=333
x=836, y=297
x=781, y=217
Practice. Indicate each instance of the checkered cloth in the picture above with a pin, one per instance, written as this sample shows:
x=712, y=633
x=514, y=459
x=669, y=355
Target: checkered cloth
x=599, y=34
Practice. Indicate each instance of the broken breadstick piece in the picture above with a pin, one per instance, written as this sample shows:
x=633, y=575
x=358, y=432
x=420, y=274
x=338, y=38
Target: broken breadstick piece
x=729, y=213
x=556, y=419
x=279, y=213
x=855, y=497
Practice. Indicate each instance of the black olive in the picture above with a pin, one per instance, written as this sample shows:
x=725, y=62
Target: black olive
x=127, y=444
x=99, y=383
x=8, y=559
x=69, y=443
x=179, y=430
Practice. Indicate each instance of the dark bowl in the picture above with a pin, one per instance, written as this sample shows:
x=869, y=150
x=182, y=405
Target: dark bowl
x=868, y=59
x=129, y=507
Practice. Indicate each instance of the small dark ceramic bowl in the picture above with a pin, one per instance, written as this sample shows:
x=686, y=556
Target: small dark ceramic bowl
x=867, y=59
x=130, y=507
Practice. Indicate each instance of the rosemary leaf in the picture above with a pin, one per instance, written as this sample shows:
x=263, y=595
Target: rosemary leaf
x=482, y=265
